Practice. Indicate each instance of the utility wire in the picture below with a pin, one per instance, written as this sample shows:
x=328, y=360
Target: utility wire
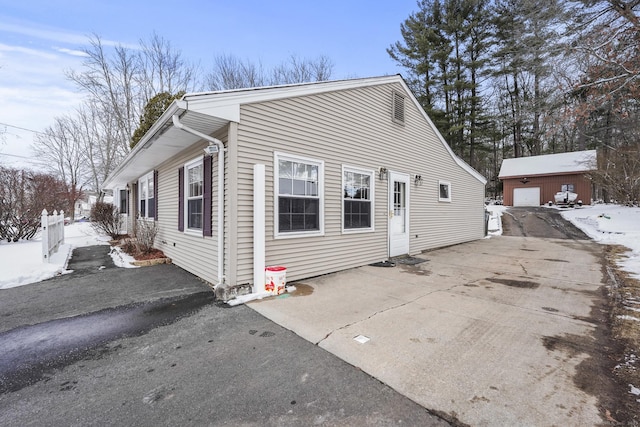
x=21, y=128
x=15, y=155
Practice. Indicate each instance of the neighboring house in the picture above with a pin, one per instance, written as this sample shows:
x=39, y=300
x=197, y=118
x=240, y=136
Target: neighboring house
x=83, y=207
x=533, y=181
x=316, y=177
x=85, y=204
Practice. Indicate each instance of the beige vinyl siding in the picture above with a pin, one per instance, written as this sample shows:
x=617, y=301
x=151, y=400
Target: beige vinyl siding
x=355, y=128
x=196, y=254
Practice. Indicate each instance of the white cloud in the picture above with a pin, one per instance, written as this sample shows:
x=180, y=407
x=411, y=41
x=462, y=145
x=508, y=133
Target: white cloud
x=26, y=51
x=29, y=29
x=30, y=108
x=51, y=34
x=72, y=52
x=33, y=91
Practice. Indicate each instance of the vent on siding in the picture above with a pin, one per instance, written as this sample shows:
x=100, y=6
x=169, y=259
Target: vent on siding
x=398, y=108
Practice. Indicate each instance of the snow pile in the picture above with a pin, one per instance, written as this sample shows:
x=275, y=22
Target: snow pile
x=21, y=262
x=121, y=258
x=243, y=299
x=611, y=224
x=495, y=219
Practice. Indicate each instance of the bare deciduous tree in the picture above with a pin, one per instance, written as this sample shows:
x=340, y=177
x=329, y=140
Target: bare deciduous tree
x=301, y=70
x=230, y=72
x=23, y=196
x=609, y=36
x=97, y=133
x=618, y=174
x=61, y=151
x=111, y=81
x=163, y=69
x=119, y=81
x=84, y=148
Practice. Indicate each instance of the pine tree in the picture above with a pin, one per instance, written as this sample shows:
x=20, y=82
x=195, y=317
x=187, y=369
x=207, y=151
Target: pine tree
x=445, y=53
x=526, y=45
x=152, y=112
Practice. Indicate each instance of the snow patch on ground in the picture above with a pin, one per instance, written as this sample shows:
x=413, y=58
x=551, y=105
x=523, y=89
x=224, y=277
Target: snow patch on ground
x=495, y=219
x=611, y=224
x=625, y=317
x=242, y=299
x=121, y=259
x=21, y=262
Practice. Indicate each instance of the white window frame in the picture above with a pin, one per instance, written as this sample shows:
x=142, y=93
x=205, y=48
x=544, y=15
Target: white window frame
x=185, y=192
x=277, y=156
x=143, y=182
x=444, y=199
x=371, y=174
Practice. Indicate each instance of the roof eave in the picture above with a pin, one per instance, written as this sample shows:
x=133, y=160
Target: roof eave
x=156, y=130
x=542, y=175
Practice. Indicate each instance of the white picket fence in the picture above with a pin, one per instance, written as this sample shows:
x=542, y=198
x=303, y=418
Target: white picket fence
x=52, y=233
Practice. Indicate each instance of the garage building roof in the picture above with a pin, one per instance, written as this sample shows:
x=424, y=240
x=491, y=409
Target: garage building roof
x=549, y=164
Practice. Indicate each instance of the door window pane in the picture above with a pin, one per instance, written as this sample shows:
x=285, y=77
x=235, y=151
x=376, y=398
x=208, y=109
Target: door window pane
x=399, y=204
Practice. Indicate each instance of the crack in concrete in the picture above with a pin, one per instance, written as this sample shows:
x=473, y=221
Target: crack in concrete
x=385, y=310
x=448, y=290
x=523, y=269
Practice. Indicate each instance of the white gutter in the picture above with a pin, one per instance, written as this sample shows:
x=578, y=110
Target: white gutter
x=221, y=149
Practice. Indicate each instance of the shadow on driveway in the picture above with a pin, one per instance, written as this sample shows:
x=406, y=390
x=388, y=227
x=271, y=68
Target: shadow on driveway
x=95, y=284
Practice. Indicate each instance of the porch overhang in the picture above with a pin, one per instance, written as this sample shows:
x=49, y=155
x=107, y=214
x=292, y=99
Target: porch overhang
x=163, y=141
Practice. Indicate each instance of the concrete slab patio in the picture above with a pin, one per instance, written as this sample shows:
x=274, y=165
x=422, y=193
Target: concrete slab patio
x=494, y=332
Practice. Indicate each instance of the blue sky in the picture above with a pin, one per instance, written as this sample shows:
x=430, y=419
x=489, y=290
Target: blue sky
x=39, y=40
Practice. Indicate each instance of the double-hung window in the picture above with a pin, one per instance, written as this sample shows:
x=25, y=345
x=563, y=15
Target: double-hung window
x=194, y=197
x=146, y=197
x=357, y=204
x=299, y=196
x=194, y=191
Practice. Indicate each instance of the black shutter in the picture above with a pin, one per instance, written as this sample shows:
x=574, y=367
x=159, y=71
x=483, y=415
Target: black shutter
x=206, y=198
x=155, y=195
x=181, y=199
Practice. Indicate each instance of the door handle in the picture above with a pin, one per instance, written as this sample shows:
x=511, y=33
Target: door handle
x=390, y=214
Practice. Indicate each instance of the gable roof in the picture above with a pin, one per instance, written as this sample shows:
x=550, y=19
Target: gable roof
x=549, y=164
x=209, y=112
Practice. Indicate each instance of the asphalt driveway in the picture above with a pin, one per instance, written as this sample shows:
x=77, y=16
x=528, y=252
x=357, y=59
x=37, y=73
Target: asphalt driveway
x=501, y=331
x=95, y=284
x=149, y=347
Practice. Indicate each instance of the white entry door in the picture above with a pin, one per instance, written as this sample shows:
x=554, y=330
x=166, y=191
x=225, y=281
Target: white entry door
x=398, y=214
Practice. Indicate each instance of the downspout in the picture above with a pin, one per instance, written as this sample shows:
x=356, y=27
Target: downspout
x=221, y=149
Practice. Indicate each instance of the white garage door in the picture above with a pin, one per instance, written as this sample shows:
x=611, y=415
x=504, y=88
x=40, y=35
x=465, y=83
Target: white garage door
x=526, y=196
